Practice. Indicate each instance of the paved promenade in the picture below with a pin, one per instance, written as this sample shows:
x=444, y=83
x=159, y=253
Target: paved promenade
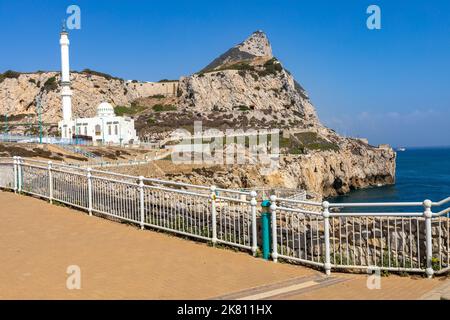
x=39, y=241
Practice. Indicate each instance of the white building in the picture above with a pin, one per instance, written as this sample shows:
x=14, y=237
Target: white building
x=105, y=127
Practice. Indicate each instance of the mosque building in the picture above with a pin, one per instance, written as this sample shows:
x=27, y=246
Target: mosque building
x=105, y=127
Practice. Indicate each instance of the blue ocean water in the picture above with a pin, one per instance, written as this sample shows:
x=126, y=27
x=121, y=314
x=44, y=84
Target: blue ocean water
x=422, y=173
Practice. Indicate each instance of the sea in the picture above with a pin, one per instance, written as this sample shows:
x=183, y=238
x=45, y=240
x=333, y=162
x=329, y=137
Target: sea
x=422, y=173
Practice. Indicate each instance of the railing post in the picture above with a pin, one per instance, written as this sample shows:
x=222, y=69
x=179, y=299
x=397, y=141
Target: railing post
x=273, y=214
x=141, y=200
x=19, y=174
x=326, y=231
x=89, y=180
x=429, y=244
x=253, y=204
x=213, y=215
x=50, y=182
x=15, y=174
x=265, y=229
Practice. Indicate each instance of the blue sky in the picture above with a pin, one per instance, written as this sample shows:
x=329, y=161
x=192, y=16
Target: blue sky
x=390, y=85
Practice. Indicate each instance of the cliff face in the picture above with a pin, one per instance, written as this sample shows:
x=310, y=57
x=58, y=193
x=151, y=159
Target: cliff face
x=18, y=94
x=248, y=79
x=246, y=87
x=325, y=173
x=335, y=173
x=273, y=94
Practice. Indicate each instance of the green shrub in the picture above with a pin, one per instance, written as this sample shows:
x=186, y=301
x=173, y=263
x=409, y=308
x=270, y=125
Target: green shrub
x=121, y=110
x=311, y=140
x=167, y=80
x=100, y=74
x=239, y=66
x=435, y=264
x=271, y=67
x=157, y=96
x=133, y=109
x=242, y=108
x=163, y=108
x=242, y=66
x=50, y=84
x=301, y=142
x=254, y=76
x=9, y=74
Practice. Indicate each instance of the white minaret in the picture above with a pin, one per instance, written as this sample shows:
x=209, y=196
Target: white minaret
x=66, y=93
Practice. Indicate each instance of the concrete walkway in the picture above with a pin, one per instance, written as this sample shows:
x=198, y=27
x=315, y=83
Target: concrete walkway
x=39, y=241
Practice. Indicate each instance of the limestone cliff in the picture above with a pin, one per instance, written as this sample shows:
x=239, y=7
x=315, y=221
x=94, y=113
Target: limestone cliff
x=248, y=79
x=248, y=83
x=325, y=173
x=246, y=87
x=18, y=92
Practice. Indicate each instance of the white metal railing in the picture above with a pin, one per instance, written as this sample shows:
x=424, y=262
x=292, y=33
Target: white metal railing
x=414, y=241
x=209, y=213
x=307, y=232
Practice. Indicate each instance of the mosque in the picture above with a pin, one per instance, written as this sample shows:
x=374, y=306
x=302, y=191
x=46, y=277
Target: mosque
x=105, y=128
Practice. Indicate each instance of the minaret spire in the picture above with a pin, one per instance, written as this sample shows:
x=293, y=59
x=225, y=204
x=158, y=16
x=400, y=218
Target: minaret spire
x=63, y=26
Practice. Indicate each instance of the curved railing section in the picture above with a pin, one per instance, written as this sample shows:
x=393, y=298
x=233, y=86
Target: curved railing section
x=373, y=236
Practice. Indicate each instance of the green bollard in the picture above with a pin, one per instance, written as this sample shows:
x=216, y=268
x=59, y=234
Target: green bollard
x=265, y=226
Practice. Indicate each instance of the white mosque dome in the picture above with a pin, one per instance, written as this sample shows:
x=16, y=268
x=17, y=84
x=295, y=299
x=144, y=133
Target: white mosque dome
x=105, y=109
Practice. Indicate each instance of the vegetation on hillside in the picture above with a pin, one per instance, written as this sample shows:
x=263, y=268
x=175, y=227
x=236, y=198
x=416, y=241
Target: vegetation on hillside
x=50, y=84
x=136, y=108
x=157, y=96
x=270, y=67
x=300, y=142
x=9, y=74
x=242, y=108
x=163, y=108
x=167, y=80
x=131, y=110
x=100, y=74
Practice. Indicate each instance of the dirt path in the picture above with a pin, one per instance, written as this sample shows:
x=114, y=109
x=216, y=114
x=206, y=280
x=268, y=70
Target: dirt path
x=38, y=242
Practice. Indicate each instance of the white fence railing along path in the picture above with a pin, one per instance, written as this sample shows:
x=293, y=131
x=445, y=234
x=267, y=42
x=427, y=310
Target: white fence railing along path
x=302, y=231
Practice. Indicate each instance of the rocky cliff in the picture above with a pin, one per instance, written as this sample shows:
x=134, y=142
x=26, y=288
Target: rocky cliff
x=324, y=173
x=246, y=87
x=248, y=79
x=251, y=88
x=18, y=93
